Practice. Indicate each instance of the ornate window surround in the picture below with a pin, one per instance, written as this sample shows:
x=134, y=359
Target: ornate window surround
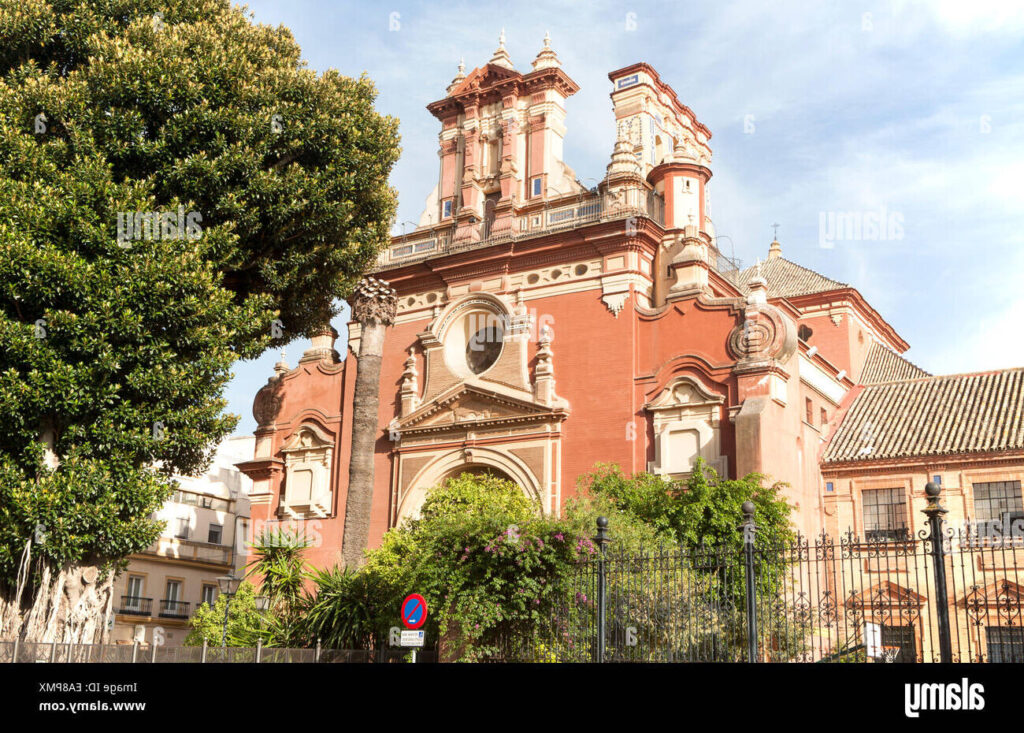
x=309, y=449
x=687, y=404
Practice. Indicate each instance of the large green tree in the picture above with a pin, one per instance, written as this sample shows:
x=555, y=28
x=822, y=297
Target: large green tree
x=177, y=192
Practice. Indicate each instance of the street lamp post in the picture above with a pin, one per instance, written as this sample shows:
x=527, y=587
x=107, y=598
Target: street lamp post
x=228, y=587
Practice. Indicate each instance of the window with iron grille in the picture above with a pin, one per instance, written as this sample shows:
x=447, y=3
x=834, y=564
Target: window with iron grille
x=885, y=514
x=998, y=501
x=899, y=638
x=214, y=534
x=1005, y=643
x=182, y=529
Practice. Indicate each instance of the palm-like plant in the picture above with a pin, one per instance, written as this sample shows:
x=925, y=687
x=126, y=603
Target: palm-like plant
x=282, y=574
x=348, y=609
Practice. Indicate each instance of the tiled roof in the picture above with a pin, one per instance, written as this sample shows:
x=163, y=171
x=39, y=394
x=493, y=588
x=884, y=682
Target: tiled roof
x=787, y=279
x=933, y=416
x=885, y=365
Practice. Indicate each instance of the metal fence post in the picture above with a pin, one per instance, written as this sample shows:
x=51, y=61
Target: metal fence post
x=135, y=650
x=317, y=657
x=53, y=652
x=259, y=650
x=202, y=659
x=602, y=542
x=17, y=644
x=935, y=512
x=749, y=532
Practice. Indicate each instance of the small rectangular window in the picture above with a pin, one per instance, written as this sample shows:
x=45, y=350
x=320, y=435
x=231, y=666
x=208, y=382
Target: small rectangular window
x=824, y=417
x=214, y=535
x=535, y=191
x=829, y=486
x=182, y=528
x=810, y=410
x=173, y=590
x=209, y=594
x=998, y=501
x=885, y=515
x=446, y=208
x=1005, y=644
x=134, y=587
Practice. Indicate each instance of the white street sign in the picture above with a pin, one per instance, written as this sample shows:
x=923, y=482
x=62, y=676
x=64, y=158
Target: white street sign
x=412, y=638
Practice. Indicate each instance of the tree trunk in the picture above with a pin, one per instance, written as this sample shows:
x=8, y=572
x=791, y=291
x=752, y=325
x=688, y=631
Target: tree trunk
x=374, y=308
x=71, y=605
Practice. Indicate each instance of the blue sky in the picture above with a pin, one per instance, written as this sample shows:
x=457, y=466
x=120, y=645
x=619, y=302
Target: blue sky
x=813, y=107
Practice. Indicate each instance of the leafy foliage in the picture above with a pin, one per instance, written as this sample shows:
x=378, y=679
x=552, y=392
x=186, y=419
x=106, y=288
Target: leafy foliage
x=118, y=348
x=489, y=565
x=244, y=626
x=706, y=509
x=703, y=515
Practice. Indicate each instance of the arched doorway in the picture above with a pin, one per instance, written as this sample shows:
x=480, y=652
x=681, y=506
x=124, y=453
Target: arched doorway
x=454, y=463
x=478, y=470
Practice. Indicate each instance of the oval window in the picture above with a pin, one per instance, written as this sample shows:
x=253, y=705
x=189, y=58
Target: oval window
x=484, y=348
x=474, y=342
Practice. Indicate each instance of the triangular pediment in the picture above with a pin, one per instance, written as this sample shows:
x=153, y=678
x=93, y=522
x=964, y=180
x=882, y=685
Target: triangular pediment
x=484, y=77
x=1002, y=593
x=474, y=405
x=886, y=594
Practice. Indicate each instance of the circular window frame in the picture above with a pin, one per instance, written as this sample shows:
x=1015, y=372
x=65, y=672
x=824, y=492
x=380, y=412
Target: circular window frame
x=454, y=337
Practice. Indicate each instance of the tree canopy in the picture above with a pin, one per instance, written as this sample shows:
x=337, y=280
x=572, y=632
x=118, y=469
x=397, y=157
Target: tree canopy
x=177, y=191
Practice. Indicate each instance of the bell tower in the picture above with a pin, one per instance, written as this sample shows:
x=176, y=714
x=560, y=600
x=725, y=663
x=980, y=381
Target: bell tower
x=672, y=149
x=500, y=143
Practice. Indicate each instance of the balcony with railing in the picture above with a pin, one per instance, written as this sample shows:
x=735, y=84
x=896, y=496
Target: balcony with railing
x=190, y=550
x=529, y=221
x=536, y=220
x=135, y=606
x=174, y=609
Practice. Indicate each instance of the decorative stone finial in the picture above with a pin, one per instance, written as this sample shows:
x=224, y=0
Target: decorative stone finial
x=623, y=159
x=321, y=345
x=544, y=382
x=410, y=385
x=501, y=57
x=758, y=287
x=281, y=367
x=547, y=58
x=459, y=77
x=683, y=153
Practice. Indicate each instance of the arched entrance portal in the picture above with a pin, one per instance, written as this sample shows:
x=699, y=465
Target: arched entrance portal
x=478, y=470
x=484, y=461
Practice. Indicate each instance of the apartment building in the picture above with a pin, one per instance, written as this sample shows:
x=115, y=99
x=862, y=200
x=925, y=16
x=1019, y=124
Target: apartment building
x=204, y=537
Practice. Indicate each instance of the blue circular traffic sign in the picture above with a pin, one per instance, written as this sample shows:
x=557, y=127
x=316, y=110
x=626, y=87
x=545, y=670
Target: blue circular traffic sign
x=414, y=611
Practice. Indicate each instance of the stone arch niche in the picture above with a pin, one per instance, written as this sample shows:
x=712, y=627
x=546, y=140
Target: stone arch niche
x=466, y=460
x=687, y=425
x=306, y=491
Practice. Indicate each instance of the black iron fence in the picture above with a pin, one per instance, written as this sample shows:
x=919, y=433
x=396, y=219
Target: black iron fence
x=64, y=653
x=950, y=594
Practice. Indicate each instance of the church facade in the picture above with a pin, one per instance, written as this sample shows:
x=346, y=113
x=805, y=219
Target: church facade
x=544, y=326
